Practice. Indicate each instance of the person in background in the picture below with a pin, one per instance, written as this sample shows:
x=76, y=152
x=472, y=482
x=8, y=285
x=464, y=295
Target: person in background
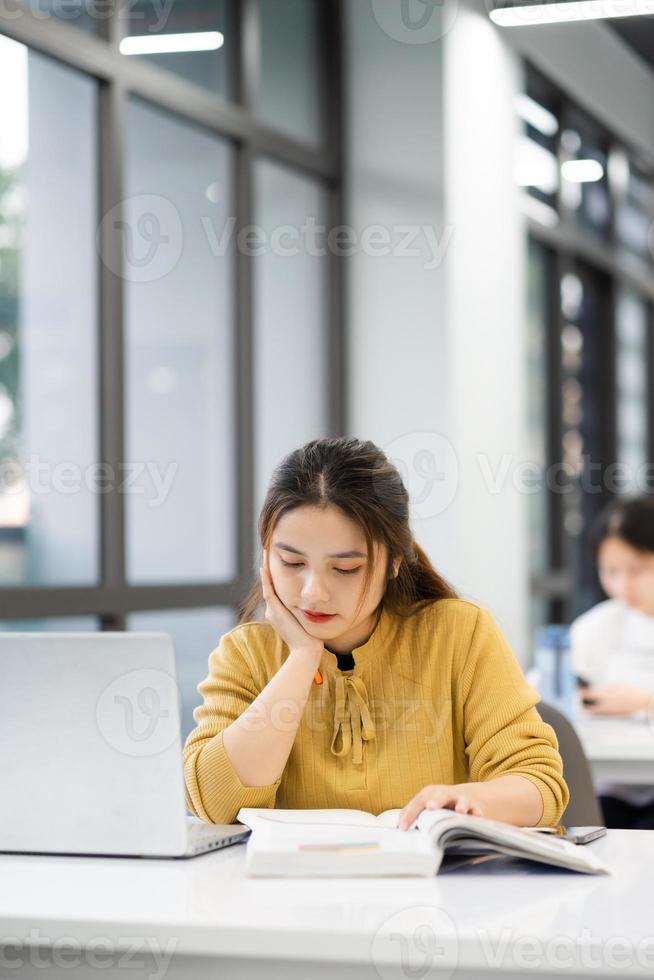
x=368, y=684
x=612, y=645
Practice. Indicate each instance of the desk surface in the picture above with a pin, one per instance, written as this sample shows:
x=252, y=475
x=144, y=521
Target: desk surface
x=620, y=750
x=497, y=916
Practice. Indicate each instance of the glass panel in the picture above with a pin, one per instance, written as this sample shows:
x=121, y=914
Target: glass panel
x=584, y=182
x=288, y=92
x=585, y=297
x=88, y=15
x=48, y=322
x=632, y=394
x=192, y=38
x=59, y=624
x=195, y=633
x=180, y=505
x=537, y=503
x=537, y=164
x=537, y=499
x=290, y=335
x=634, y=193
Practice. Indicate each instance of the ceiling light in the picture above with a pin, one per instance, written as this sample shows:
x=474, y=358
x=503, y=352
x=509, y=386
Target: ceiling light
x=536, y=166
x=537, y=115
x=535, y=14
x=172, y=43
x=538, y=211
x=582, y=171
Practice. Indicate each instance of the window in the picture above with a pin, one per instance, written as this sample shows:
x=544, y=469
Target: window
x=288, y=90
x=291, y=341
x=590, y=315
x=85, y=15
x=195, y=633
x=60, y=624
x=136, y=323
x=194, y=39
x=181, y=511
x=632, y=396
x=49, y=449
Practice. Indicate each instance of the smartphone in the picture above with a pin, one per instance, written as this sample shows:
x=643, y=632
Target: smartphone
x=584, y=835
x=582, y=684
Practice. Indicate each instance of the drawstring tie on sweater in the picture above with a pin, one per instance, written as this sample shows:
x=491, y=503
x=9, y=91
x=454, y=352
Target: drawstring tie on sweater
x=352, y=718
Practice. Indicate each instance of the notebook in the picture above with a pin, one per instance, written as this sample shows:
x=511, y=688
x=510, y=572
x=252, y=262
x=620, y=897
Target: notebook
x=353, y=843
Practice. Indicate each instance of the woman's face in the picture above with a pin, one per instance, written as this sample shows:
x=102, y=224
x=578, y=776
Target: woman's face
x=318, y=561
x=627, y=574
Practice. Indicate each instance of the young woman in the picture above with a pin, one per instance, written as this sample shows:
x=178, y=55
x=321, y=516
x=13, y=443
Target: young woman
x=612, y=645
x=369, y=685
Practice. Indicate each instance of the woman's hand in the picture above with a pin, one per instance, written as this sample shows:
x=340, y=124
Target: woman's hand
x=434, y=797
x=617, y=699
x=282, y=619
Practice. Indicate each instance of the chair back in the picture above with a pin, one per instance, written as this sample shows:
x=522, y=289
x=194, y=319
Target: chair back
x=584, y=807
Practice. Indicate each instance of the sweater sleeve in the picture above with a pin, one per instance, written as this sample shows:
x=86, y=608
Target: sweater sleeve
x=504, y=734
x=213, y=790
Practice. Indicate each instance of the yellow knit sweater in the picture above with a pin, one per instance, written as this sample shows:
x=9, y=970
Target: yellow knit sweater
x=434, y=698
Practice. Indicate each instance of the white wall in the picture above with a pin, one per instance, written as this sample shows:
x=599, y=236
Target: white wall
x=394, y=171
x=424, y=343
x=430, y=139
x=484, y=284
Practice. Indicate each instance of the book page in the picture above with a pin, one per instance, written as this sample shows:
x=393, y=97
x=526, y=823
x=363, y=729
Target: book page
x=449, y=829
x=331, y=817
x=388, y=818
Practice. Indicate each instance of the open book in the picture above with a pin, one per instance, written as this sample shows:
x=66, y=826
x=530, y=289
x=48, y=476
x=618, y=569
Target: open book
x=352, y=843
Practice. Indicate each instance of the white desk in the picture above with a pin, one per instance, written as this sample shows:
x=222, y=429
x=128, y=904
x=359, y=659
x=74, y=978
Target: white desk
x=620, y=750
x=203, y=918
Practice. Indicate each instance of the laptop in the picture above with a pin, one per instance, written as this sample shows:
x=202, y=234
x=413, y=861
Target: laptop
x=90, y=749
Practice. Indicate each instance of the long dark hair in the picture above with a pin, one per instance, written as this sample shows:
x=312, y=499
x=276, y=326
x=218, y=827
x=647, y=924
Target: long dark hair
x=356, y=477
x=629, y=518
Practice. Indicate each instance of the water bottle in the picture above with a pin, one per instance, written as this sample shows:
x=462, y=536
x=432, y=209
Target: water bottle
x=557, y=682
